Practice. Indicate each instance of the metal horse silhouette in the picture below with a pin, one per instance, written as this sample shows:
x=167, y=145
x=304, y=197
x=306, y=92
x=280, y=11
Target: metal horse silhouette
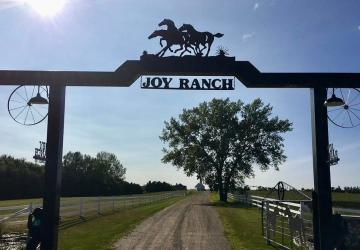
x=172, y=36
x=186, y=37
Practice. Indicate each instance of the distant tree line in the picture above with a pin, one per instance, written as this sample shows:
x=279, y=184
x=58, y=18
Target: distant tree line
x=157, y=186
x=346, y=189
x=82, y=175
x=20, y=179
x=261, y=188
x=337, y=189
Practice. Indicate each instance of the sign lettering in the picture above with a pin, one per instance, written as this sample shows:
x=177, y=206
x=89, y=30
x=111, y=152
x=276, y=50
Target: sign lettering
x=188, y=84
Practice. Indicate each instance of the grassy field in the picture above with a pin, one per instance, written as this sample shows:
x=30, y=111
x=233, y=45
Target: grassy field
x=70, y=207
x=5, y=203
x=346, y=200
x=93, y=231
x=241, y=224
x=63, y=200
x=102, y=231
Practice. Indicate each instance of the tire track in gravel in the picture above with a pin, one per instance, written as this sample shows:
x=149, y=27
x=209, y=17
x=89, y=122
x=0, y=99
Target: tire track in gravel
x=188, y=224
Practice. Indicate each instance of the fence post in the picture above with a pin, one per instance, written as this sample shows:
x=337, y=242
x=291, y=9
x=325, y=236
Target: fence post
x=99, y=200
x=301, y=210
x=30, y=207
x=81, y=207
x=267, y=231
x=113, y=204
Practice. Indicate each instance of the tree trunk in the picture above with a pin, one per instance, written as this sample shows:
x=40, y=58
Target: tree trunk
x=225, y=191
x=223, y=196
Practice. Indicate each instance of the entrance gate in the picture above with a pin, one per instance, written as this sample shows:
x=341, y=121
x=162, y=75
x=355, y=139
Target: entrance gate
x=196, y=65
x=286, y=218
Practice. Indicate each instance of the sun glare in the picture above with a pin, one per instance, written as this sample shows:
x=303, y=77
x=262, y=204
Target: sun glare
x=46, y=8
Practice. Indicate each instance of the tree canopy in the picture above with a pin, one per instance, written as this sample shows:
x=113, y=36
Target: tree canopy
x=100, y=175
x=82, y=175
x=220, y=141
x=19, y=178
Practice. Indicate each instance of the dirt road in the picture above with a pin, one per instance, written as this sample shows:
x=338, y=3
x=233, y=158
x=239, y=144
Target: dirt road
x=189, y=224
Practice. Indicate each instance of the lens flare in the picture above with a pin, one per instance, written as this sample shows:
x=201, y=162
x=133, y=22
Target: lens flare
x=46, y=8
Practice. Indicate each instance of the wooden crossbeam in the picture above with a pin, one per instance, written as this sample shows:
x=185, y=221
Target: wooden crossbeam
x=131, y=70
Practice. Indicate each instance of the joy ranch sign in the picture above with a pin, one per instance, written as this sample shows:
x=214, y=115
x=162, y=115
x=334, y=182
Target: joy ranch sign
x=185, y=42
x=190, y=84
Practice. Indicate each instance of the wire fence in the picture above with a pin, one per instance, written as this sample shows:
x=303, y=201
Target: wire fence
x=84, y=206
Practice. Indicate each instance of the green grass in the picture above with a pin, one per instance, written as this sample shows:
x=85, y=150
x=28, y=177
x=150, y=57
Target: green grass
x=345, y=200
x=63, y=200
x=19, y=202
x=242, y=224
x=102, y=231
x=22, y=202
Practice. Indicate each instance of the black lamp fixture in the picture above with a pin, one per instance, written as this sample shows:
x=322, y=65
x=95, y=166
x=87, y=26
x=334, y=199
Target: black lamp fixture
x=334, y=101
x=38, y=99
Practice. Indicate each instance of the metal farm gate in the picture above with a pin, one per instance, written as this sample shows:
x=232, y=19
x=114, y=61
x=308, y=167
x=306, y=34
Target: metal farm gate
x=287, y=220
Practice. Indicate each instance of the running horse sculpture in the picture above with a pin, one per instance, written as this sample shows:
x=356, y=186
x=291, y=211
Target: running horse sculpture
x=186, y=37
x=197, y=38
x=172, y=36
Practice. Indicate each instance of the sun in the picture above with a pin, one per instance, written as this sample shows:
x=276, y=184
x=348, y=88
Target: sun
x=46, y=8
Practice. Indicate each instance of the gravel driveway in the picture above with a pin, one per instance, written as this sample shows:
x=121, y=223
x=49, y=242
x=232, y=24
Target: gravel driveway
x=189, y=224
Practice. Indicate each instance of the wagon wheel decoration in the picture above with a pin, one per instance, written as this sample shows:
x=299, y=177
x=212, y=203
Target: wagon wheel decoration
x=346, y=114
x=28, y=105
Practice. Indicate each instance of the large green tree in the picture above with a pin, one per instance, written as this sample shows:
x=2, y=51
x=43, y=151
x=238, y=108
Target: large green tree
x=222, y=140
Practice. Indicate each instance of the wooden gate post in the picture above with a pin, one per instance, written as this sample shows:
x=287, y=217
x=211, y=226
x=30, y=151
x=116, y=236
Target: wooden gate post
x=54, y=148
x=321, y=168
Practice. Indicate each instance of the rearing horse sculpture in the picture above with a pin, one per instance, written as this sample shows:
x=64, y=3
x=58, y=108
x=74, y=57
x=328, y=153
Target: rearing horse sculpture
x=197, y=38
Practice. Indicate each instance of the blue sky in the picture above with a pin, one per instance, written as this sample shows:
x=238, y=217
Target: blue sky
x=274, y=35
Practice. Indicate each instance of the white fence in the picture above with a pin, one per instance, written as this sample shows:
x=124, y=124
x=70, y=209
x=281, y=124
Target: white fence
x=284, y=223
x=288, y=223
x=83, y=206
x=296, y=206
x=346, y=211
